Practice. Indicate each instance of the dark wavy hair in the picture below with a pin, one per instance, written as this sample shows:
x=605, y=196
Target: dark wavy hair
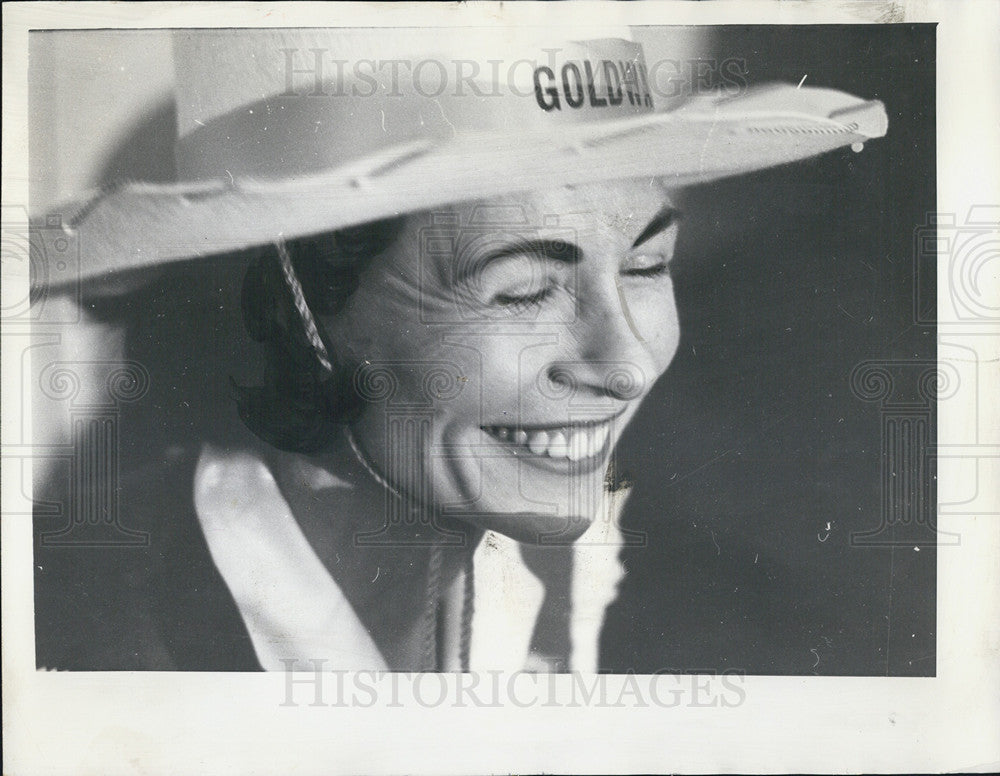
x=300, y=405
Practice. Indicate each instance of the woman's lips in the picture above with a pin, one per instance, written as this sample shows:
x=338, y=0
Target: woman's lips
x=571, y=442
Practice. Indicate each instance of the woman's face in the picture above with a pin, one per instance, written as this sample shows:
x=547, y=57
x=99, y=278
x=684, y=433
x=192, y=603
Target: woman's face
x=504, y=345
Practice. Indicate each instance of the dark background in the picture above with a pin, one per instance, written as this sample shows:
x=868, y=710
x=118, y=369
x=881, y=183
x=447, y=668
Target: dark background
x=753, y=441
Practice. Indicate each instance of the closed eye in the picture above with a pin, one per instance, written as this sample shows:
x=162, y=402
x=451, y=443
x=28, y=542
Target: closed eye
x=656, y=270
x=522, y=301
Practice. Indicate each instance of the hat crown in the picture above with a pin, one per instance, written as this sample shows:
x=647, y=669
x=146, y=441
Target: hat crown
x=291, y=102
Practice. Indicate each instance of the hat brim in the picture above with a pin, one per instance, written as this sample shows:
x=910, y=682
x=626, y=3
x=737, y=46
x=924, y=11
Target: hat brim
x=136, y=225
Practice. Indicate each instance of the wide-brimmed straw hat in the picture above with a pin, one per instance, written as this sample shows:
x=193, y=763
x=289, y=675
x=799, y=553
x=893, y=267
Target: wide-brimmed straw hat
x=285, y=133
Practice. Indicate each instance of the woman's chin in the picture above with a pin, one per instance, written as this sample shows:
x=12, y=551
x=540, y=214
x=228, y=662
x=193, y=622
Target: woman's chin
x=533, y=528
x=531, y=499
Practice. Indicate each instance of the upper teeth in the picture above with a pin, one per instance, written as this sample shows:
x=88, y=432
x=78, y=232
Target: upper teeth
x=571, y=442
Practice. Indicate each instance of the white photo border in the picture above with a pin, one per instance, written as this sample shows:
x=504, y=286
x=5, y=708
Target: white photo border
x=237, y=723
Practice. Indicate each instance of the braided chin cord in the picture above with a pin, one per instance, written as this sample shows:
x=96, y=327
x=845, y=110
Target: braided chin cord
x=433, y=592
x=468, y=609
x=309, y=326
x=363, y=460
x=429, y=656
x=432, y=597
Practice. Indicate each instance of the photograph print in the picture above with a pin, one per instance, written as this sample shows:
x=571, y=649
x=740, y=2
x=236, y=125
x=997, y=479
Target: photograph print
x=550, y=349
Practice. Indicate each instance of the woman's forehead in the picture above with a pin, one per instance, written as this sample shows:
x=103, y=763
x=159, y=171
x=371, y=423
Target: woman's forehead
x=628, y=205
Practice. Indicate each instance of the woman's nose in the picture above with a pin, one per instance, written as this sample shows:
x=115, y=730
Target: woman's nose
x=583, y=380
x=609, y=358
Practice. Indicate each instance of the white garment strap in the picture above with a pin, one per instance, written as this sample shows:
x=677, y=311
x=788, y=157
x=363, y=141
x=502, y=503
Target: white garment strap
x=290, y=604
x=293, y=608
x=508, y=596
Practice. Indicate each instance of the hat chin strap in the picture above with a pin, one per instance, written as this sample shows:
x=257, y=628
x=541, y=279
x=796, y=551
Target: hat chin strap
x=305, y=314
x=430, y=659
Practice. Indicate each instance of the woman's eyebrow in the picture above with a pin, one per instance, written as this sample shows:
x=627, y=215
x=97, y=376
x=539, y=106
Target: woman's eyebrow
x=662, y=220
x=557, y=250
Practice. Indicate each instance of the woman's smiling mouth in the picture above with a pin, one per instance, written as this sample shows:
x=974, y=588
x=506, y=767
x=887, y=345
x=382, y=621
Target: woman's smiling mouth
x=572, y=442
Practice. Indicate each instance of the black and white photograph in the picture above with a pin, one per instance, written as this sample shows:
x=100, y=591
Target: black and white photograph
x=567, y=355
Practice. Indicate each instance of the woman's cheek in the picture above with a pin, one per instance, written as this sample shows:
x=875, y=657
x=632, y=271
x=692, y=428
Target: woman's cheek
x=660, y=327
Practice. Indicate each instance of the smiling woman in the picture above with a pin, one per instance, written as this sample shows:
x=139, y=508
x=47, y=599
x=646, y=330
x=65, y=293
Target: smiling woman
x=553, y=333
x=460, y=314
x=556, y=334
